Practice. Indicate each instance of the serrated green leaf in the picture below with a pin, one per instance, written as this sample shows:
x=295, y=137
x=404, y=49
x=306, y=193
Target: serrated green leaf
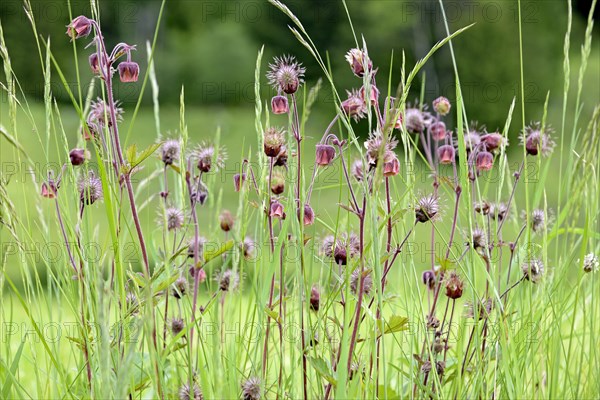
x=322, y=369
x=395, y=323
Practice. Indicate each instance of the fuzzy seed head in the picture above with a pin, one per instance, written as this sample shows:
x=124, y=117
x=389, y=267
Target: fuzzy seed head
x=537, y=141
x=177, y=326
x=377, y=146
x=208, y=157
x=533, y=270
x=251, y=389
x=354, y=106
x=416, y=120
x=427, y=208
x=90, y=188
x=286, y=74
x=357, y=170
x=248, y=247
x=180, y=287
x=185, y=393
x=228, y=280
x=171, y=149
x=591, y=263
x=274, y=140
x=174, y=217
x=99, y=115
x=367, y=282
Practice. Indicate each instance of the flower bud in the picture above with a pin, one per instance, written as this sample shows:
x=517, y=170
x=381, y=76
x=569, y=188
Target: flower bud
x=129, y=71
x=446, y=154
x=238, y=180
x=309, y=215
x=484, y=161
x=493, y=141
x=358, y=60
x=79, y=27
x=437, y=131
x=277, y=210
x=226, y=220
x=429, y=279
x=325, y=154
x=315, y=298
x=441, y=105
x=279, y=105
x=454, y=286
x=78, y=156
x=94, y=64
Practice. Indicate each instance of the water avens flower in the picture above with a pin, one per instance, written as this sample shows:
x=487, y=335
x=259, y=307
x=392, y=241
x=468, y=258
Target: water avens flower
x=90, y=188
x=94, y=63
x=437, y=131
x=484, y=161
x=277, y=210
x=170, y=151
x=533, y=270
x=99, y=115
x=128, y=71
x=416, y=121
x=309, y=215
x=498, y=211
x=446, y=154
x=391, y=164
x=280, y=105
x=251, y=389
x=354, y=106
x=377, y=146
x=493, y=141
x=428, y=278
x=325, y=154
x=192, y=245
x=538, y=220
x=48, y=189
x=238, y=180
x=286, y=74
x=278, y=182
x=78, y=156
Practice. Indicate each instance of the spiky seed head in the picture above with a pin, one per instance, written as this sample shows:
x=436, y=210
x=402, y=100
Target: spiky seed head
x=90, y=188
x=533, y=270
x=185, y=393
x=170, y=150
x=479, y=310
x=193, y=244
x=377, y=146
x=174, y=217
x=454, y=286
x=416, y=120
x=346, y=246
x=226, y=221
x=180, y=287
x=472, y=140
x=591, y=263
x=442, y=105
x=354, y=106
x=208, y=157
x=357, y=170
x=537, y=141
x=367, y=282
x=251, y=389
x=248, y=247
x=228, y=280
x=497, y=211
x=427, y=208
x=478, y=239
x=177, y=326
x=327, y=246
x=359, y=62
x=538, y=220
x=286, y=74
x=273, y=141
x=482, y=207
x=99, y=115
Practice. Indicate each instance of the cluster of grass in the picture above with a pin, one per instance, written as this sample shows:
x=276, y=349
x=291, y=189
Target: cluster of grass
x=370, y=272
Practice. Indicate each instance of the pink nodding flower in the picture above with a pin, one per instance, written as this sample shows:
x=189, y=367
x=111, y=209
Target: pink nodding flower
x=325, y=154
x=437, y=130
x=79, y=27
x=279, y=105
x=446, y=154
x=309, y=215
x=129, y=71
x=391, y=165
x=493, y=141
x=484, y=161
x=238, y=180
x=277, y=210
x=49, y=189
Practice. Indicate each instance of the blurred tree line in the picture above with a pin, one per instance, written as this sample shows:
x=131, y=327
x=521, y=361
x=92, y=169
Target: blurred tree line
x=210, y=46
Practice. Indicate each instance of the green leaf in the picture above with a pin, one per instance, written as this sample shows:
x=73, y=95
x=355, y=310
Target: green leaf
x=147, y=152
x=322, y=369
x=212, y=254
x=131, y=153
x=395, y=324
